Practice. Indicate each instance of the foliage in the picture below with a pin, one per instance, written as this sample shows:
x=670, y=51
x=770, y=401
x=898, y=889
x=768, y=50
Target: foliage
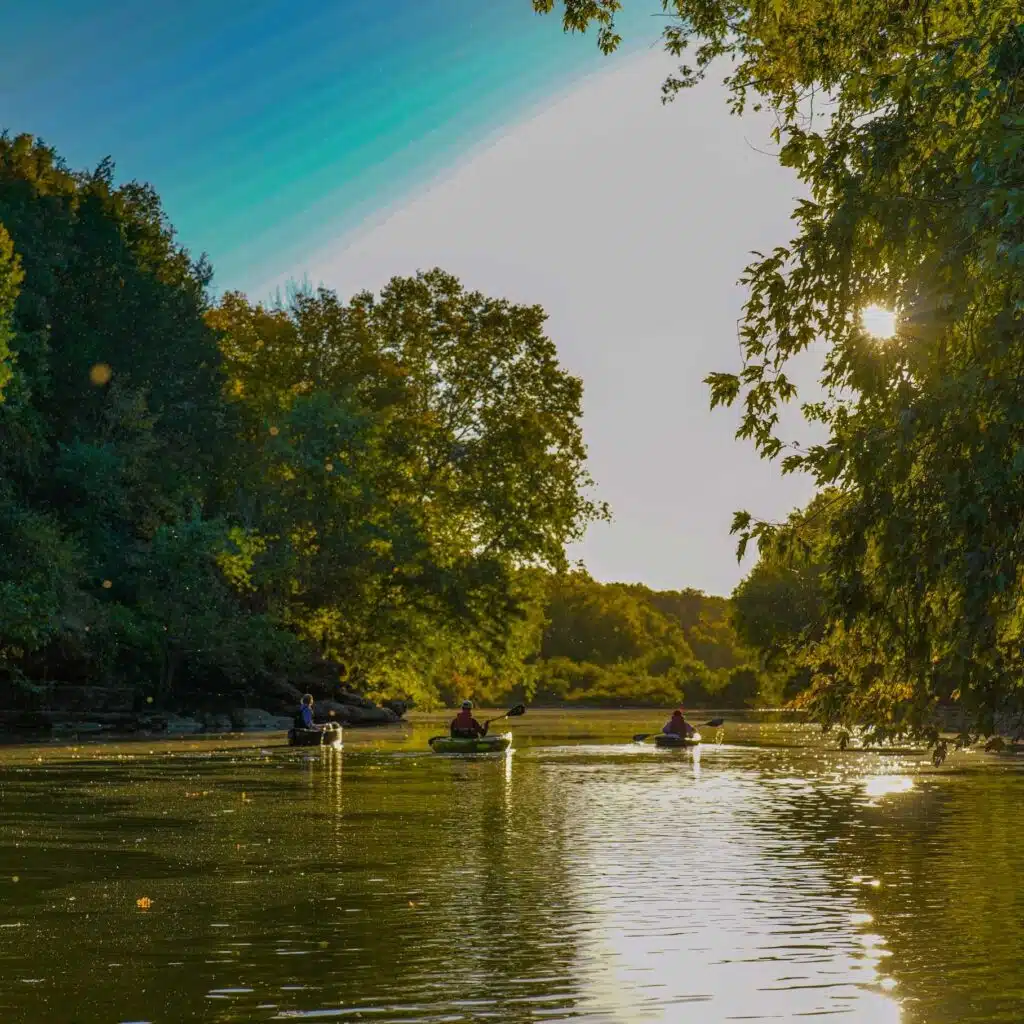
x=915, y=202
x=109, y=413
x=10, y=282
x=407, y=456
x=199, y=497
x=779, y=608
x=622, y=644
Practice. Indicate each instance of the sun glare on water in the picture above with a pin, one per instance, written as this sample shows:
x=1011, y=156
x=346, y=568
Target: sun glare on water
x=879, y=322
x=885, y=785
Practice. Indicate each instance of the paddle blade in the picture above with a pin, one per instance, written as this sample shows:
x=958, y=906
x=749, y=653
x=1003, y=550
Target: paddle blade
x=519, y=709
x=641, y=736
x=714, y=723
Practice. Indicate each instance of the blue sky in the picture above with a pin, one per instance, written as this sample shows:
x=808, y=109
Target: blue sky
x=348, y=142
x=270, y=126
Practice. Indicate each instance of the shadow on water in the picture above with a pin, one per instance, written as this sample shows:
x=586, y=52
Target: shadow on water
x=343, y=883
x=766, y=878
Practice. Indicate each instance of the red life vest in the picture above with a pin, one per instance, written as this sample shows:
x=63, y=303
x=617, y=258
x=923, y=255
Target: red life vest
x=464, y=720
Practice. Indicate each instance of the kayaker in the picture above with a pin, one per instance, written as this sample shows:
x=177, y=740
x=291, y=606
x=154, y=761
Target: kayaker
x=306, y=713
x=677, y=725
x=464, y=726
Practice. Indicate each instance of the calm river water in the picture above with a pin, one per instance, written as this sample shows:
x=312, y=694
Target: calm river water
x=583, y=877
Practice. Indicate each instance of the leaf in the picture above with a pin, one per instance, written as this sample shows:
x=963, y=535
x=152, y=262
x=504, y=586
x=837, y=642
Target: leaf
x=725, y=388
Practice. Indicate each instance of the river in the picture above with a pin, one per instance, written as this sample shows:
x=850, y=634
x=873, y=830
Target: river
x=582, y=877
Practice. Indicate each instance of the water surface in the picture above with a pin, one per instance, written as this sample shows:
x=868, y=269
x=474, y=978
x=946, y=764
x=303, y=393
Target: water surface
x=582, y=877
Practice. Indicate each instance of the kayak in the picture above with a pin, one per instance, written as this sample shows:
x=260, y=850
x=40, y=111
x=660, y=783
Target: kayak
x=314, y=737
x=480, y=745
x=668, y=740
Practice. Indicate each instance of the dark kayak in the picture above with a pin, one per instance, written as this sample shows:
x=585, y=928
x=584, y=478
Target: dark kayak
x=314, y=737
x=671, y=740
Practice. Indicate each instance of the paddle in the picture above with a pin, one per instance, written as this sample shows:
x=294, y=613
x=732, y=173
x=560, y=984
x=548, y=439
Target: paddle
x=715, y=723
x=519, y=709
x=514, y=712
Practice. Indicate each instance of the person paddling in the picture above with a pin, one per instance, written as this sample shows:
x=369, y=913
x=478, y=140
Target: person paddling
x=464, y=726
x=305, y=717
x=677, y=725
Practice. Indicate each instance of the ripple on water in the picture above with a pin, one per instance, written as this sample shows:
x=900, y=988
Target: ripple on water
x=573, y=882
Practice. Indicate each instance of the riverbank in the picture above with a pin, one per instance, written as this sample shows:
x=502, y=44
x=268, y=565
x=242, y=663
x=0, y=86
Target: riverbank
x=540, y=725
x=82, y=712
x=410, y=732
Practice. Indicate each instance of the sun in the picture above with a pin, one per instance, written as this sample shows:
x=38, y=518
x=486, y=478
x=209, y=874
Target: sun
x=879, y=322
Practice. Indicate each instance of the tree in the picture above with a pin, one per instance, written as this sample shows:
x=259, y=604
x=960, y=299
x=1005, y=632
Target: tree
x=11, y=276
x=707, y=623
x=197, y=497
x=409, y=455
x=111, y=406
x=604, y=624
x=779, y=608
x=622, y=644
x=916, y=203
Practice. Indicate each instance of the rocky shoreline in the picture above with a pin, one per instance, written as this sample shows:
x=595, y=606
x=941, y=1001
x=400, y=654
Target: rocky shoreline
x=94, y=710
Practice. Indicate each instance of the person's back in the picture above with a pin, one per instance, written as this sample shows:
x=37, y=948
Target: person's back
x=677, y=725
x=464, y=725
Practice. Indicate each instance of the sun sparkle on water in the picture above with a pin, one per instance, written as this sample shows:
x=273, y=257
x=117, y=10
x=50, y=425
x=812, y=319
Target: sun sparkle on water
x=884, y=785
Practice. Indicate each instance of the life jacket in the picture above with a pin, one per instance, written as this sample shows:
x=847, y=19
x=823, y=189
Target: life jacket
x=677, y=725
x=465, y=724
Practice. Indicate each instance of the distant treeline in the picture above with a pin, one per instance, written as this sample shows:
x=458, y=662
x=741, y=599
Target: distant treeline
x=620, y=644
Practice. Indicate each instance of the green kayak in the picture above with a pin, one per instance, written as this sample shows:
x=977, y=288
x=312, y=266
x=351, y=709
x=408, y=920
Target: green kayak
x=480, y=745
x=669, y=740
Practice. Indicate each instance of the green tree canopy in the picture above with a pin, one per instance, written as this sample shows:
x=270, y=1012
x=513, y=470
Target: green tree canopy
x=196, y=496
x=779, y=609
x=624, y=644
x=410, y=454
x=915, y=179
x=10, y=281
x=111, y=409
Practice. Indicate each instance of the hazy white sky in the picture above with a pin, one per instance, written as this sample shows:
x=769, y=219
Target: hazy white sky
x=630, y=222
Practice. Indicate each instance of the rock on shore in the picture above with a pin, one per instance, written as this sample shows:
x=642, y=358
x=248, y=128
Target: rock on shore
x=348, y=709
x=352, y=714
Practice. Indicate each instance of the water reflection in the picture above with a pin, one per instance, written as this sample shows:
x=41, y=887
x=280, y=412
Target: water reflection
x=692, y=903
x=590, y=882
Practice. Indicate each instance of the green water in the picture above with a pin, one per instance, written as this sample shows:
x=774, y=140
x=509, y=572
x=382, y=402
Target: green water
x=580, y=878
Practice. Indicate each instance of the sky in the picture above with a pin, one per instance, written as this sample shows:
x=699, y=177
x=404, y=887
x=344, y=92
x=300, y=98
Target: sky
x=348, y=142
